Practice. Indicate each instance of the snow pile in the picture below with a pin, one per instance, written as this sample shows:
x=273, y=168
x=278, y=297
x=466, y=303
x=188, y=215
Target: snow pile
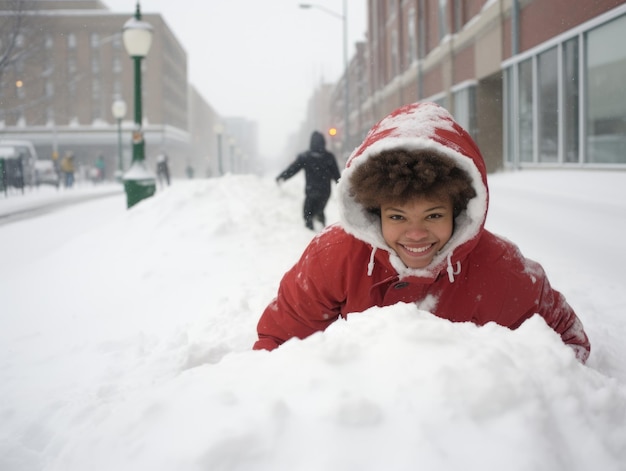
x=127, y=347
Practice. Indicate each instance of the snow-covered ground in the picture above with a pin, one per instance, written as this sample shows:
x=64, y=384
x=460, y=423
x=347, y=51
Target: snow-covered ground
x=125, y=342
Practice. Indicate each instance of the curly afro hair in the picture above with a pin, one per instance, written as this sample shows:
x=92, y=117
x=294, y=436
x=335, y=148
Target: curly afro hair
x=398, y=176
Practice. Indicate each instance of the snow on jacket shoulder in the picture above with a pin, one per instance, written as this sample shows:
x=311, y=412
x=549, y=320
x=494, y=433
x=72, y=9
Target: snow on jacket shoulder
x=477, y=276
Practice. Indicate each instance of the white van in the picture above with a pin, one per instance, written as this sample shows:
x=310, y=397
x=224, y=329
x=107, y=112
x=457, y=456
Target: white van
x=12, y=149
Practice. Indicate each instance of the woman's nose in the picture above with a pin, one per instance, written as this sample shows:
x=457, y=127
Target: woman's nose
x=416, y=231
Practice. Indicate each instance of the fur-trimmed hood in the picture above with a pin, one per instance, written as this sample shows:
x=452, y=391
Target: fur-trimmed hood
x=420, y=126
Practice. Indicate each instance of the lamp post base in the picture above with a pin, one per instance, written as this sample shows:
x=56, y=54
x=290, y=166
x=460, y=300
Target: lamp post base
x=139, y=184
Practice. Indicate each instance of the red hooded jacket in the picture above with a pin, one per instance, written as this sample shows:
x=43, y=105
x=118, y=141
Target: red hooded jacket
x=477, y=276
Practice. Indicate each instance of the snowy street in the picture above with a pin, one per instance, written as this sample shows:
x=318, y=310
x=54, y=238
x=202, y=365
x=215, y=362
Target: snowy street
x=126, y=336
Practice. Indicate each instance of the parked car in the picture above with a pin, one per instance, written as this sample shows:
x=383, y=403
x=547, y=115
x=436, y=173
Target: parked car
x=46, y=174
x=23, y=151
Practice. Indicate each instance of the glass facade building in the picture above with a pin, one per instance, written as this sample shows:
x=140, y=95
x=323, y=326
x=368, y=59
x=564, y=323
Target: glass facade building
x=565, y=101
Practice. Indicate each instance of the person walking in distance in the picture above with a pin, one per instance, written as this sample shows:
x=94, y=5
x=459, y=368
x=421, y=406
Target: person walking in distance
x=320, y=167
x=163, y=169
x=68, y=169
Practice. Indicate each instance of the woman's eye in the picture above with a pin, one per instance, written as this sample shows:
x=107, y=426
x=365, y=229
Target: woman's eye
x=435, y=216
x=396, y=217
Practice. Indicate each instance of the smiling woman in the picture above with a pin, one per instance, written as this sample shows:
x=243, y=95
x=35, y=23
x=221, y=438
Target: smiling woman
x=413, y=202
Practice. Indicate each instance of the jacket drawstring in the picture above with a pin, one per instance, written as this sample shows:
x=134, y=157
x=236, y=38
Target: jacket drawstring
x=370, y=265
x=451, y=271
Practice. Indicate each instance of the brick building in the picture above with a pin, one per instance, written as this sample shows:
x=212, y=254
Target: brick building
x=71, y=66
x=534, y=81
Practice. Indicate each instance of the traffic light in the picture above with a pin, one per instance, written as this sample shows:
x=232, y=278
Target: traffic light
x=332, y=131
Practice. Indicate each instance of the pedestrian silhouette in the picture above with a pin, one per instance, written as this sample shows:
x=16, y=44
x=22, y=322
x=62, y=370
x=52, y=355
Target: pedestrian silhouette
x=163, y=170
x=68, y=168
x=320, y=168
x=100, y=167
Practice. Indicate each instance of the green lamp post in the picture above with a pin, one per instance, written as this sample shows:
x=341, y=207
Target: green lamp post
x=139, y=182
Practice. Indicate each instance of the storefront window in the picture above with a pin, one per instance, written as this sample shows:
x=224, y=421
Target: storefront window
x=525, y=103
x=548, y=105
x=605, y=90
x=465, y=109
x=571, y=106
x=509, y=110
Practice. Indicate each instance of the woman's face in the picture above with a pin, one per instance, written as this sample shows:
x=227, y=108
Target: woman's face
x=417, y=230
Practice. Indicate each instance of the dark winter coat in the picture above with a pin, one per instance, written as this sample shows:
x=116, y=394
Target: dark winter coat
x=320, y=167
x=478, y=276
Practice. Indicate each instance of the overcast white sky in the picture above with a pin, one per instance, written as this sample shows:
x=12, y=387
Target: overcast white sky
x=259, y=59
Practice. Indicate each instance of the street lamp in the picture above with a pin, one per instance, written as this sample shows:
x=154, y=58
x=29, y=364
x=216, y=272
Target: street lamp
x=139, y=183
x=346, y=108
x=219, y=129
x=119, y=111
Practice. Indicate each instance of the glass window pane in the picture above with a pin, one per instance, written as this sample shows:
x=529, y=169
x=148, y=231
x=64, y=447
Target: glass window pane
x=606, y=88
x=461, y=108
x=571, y=96
x=443, y=15
x=508, y=118
x=525, y=119
x=465, y=109
x=548, y=103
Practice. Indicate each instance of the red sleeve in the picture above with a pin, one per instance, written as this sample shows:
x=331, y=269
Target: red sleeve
x=525, y=291
x=559, y=315
x=309, y=298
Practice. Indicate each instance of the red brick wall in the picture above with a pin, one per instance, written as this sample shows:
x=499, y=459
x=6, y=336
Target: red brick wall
x=543, y=19
x=464, y=65
x=433, y=81
x=472, y=8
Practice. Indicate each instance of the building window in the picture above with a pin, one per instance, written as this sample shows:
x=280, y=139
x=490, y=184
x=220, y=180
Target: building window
x=465, y=108
x=606, y=113
x=525, y=111
x=49, y=89
x=71, y=67
x=443, y=28
x=571, y=101
x=95, y=65
x=509, y=112
x=96, y=89
x=412, y=37
x=71, y=41
x=548, y=105
x=421, y=29
x=117, y=65
x=394, y=53
x=458, y=15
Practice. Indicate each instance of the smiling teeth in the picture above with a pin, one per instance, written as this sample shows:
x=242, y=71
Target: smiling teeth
x=417, y=249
